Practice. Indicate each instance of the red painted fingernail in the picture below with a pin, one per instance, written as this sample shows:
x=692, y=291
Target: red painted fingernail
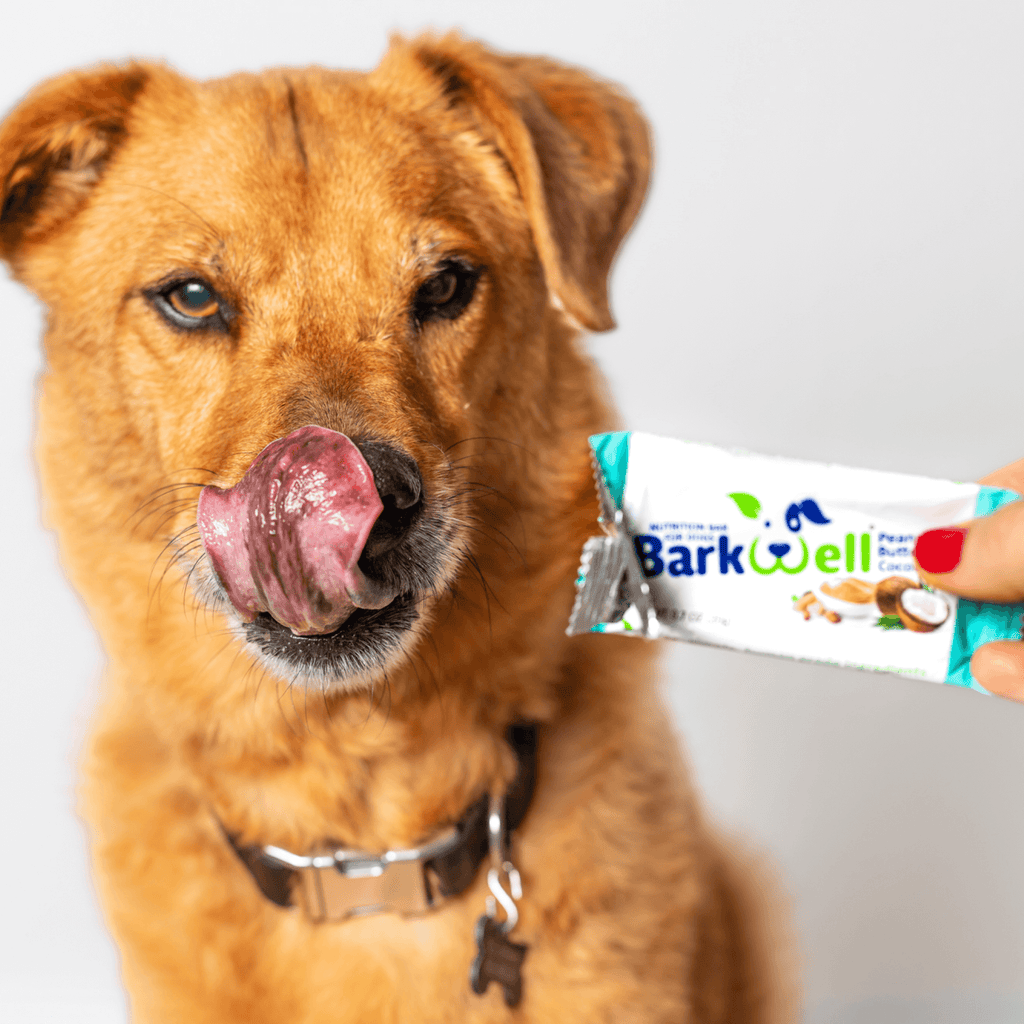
x=940, y=550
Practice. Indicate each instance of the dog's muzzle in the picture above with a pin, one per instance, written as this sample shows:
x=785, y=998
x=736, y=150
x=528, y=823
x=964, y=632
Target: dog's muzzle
x=287, y=538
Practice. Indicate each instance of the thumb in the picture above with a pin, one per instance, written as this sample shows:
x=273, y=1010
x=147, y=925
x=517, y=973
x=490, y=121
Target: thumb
x=982, y=560
x=999, y=667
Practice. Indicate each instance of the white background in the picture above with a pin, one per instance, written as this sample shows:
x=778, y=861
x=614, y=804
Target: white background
x=830, y=266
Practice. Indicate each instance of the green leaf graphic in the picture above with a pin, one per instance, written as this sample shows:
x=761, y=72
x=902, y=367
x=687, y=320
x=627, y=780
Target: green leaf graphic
x=747, y=504
x=890, y=622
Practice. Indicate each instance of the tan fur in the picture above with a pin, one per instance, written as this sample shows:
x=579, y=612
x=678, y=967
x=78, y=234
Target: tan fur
x=313, y=199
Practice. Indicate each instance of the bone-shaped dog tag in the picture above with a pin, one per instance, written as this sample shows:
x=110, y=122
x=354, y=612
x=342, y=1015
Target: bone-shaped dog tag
x=498, y=959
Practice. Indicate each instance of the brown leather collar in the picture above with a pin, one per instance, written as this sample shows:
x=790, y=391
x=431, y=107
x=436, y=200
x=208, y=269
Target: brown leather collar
x=333, y=884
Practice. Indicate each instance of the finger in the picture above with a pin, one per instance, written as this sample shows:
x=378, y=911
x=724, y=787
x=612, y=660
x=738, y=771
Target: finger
x=982, y=559
x=999, y=667
x=1011, y=476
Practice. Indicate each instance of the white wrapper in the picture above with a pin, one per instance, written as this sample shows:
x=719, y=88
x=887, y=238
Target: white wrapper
x=799, y=559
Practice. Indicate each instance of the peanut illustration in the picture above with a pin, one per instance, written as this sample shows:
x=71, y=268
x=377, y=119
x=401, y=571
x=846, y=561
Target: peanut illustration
x=809, y=605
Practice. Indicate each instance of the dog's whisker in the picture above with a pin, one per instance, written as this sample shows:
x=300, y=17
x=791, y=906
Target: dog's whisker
x=485, y=437
x=169, y=545
x=170, y=502
x=168, y=517
x=487, y=595
x=440, y=673
x=215, y=656
x=171, y=511
x=432, y=676
x=508, y=549
x=185, y=590
x=371, y=706
x=259, y=681
x=154, y=591
x=472, y=486
x=325, y=695
x=177, y=485
x=385, y=691
x=505, y=543
x=177, y=504
x=167, y=512
x=250, y=671
x=434, y=444
x=161, y=491
x=301, y=720
x=280, y=704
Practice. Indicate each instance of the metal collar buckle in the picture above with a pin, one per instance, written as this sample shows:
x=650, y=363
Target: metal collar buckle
x=337, y=884
x=333, y=884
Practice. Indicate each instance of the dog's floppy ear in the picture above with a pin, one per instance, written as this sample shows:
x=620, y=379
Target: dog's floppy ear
x=53, y=147
x=578, y=147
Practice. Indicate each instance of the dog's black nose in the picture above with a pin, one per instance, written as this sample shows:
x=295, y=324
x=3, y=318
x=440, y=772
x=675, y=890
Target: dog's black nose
x=400, y=486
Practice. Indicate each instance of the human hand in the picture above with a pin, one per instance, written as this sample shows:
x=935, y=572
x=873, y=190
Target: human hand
x=984, y=560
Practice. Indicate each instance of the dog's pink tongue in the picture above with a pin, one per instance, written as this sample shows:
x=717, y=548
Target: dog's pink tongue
x=286, y=538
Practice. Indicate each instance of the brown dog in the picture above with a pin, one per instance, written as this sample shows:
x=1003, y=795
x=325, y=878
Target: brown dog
x=357, y=643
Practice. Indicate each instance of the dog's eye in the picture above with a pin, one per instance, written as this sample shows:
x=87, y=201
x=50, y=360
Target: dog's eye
x=445, y=295
x=192, y=305
x=194, y=299
x=439, y=289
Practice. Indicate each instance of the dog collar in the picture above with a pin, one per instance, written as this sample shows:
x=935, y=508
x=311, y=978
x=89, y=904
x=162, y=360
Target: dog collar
x=332, y=884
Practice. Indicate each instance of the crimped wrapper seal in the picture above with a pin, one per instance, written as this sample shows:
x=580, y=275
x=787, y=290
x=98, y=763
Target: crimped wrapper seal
x=777, y=556
x=602, y=587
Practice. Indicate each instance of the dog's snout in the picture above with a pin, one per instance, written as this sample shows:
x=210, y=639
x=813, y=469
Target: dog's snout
x=400, y=486
x=396, y=474
x=287, y=537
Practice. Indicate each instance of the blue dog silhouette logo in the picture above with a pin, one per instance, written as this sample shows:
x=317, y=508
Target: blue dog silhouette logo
x=796, y=513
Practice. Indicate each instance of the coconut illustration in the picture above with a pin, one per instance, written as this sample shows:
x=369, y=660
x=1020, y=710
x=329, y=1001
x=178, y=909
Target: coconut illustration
x=888, y=591
x=921, y=610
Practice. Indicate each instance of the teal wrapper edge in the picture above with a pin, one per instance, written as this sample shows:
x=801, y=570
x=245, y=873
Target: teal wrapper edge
x=612, y=454
x=978, y=623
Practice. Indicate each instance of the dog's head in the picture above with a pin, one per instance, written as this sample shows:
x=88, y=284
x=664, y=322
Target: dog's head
x=378, y=276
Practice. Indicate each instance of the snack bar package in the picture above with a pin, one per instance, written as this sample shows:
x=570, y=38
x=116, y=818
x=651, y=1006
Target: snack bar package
x=774, y=555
